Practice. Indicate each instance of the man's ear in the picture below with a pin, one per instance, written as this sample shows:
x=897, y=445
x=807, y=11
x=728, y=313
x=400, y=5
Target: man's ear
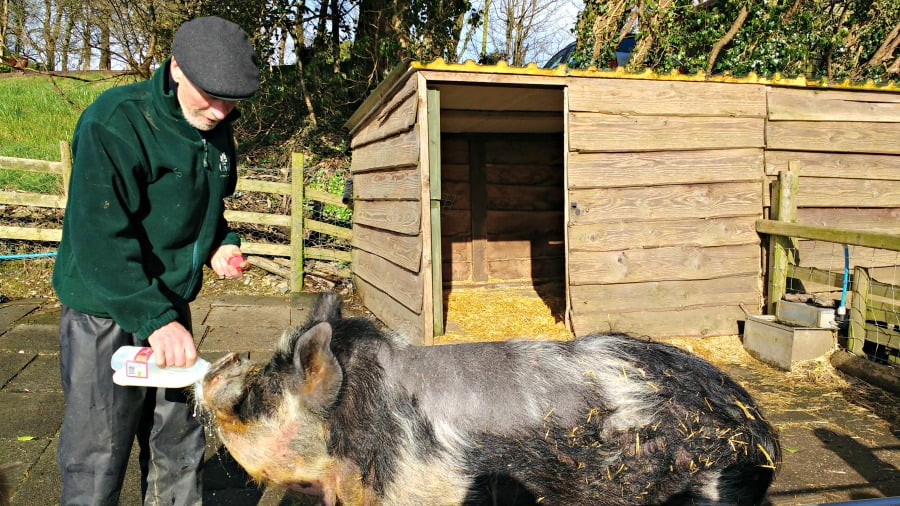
x=175, y=71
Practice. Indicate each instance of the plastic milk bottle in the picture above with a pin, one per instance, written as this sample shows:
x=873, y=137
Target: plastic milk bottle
x=136, y=366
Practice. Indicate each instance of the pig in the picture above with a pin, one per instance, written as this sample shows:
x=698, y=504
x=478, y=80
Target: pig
x=354, y=414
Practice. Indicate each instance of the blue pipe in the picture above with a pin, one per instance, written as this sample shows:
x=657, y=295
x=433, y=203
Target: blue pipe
x=842, y=308
x=27, y=255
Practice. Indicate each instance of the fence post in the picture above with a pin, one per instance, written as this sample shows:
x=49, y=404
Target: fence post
x=781, y=248
x=296, y=223
x=65, y=156
x=859, y=302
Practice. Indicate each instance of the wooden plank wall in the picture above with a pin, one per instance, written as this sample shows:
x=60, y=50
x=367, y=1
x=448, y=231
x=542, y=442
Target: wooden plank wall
x=525, y=199
x=456, y=209
x=846, y=144
x=665, y=182
x=502, y=209
x=387, y=241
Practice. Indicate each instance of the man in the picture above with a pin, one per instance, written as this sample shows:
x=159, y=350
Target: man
x=152, y=162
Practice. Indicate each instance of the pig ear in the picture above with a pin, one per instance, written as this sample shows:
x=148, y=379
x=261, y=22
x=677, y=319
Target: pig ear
x=327, y=308
x=318, y=371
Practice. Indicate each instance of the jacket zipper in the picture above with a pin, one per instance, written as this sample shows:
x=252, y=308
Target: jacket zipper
x=195, y=261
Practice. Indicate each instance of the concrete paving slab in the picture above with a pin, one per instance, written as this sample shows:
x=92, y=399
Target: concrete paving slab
x=42, y=483
x=299, y=315
x=199, y=311
x=254, y=301
x=39, y=338
x=199, y=331
x=240, y=339
x=46, y=315
x=37, y=414
x=14, y=311
x=278, y=317
x=22, y=455
x=11, y=363
x=261, y=357
x=41, y=375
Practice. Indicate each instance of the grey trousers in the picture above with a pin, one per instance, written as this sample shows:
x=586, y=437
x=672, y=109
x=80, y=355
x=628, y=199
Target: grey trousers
x=102, y=420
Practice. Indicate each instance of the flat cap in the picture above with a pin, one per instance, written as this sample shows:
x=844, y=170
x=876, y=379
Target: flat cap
x=217, y=57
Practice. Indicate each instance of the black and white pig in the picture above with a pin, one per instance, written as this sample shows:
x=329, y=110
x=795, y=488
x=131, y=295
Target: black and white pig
x=348, y=412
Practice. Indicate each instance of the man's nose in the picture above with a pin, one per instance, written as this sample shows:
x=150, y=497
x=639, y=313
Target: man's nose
x=220, y=108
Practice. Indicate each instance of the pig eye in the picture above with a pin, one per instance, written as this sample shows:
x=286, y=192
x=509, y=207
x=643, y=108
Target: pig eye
x=238, y=408
x=258, y=400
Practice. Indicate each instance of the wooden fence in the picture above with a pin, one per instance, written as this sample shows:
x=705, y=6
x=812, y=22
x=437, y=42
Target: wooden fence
x=296, y=251
x=874, y=310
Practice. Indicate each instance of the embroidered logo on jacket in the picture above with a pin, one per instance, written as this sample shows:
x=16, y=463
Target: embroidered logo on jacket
x=224, y=165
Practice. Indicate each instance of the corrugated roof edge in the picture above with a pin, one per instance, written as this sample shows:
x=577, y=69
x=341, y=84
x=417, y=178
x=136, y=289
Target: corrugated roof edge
x=563, y=70
x=397, y=75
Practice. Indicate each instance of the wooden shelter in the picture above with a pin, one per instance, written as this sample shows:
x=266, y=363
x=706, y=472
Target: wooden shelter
x=627, y=201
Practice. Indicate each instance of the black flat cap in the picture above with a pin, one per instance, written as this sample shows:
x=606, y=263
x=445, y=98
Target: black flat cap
x=217, y=57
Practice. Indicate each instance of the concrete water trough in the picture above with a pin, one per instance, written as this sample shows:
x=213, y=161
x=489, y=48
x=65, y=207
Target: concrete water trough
x=782, y=343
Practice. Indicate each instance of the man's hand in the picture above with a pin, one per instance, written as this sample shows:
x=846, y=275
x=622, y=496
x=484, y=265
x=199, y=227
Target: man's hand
x=173, y=346
x=220, y=262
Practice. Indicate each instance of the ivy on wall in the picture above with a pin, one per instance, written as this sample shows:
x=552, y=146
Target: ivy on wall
x=834, y=39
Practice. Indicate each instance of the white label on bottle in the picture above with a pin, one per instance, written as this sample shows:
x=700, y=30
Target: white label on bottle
x=136, y=369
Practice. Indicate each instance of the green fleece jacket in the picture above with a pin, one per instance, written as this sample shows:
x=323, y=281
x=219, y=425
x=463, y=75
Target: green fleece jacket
x=145, y=206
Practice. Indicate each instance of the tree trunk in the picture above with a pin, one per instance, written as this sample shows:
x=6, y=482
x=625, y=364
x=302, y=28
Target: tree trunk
x=321, y=26
x=373, y=26
x=336, y=37
x=484, y=31
x=85, y=58
x=51, y=32
x=4, y=22
x=20, y=16
x=105, y=49
x=65, y=52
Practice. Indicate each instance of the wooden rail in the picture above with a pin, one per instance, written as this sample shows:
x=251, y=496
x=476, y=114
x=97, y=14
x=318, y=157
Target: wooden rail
x=296, y=251
x=871, y=317
x=827, y=234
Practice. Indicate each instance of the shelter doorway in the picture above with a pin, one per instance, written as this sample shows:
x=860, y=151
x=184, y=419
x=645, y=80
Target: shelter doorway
x=502, y=204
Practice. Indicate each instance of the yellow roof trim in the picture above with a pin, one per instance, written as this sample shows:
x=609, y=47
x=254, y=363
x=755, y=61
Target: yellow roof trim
x=563, y=71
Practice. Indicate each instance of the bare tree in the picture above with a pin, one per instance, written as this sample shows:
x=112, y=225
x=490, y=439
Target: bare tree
x=142, y=31
x=105, y=46
x=85, y=32
x=520, y=31
x=53, y=15
x=66, y=43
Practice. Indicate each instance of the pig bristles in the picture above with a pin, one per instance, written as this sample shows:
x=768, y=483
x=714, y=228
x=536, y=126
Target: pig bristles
x=745, y=410
x=771, y=464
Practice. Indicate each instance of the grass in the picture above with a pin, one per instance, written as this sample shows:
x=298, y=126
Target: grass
x=36, y=113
